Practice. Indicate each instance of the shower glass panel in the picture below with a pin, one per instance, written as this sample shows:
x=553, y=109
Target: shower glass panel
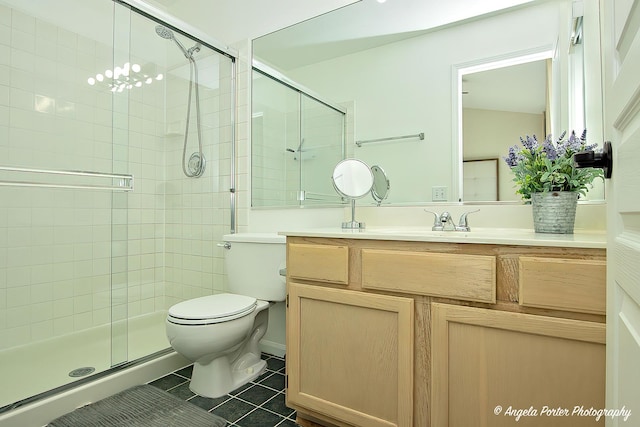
x=100, y=229
x=56, y=226
x=296, y=141
x=321, y=149
x=275, y=143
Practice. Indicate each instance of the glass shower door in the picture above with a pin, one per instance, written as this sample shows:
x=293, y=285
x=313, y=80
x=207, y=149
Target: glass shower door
x=322, y=147
x=63, y=195
x=275, y=143
x=90, y=260
x=296, y=141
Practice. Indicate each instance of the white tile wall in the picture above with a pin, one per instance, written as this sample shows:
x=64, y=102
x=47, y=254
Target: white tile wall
x=66, y=254
x=197, y=209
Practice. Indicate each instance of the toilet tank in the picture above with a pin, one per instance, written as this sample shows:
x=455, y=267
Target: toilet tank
x=253, y=263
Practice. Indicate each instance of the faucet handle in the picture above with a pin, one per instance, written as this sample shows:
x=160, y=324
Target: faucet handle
x=437, y=224
x=463, y=224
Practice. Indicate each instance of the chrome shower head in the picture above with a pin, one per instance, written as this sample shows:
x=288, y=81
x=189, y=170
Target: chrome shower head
x=166, y=33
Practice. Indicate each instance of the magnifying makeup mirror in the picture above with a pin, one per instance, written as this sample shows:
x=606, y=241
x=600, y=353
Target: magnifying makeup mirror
x=381, y=184
x=352, y=179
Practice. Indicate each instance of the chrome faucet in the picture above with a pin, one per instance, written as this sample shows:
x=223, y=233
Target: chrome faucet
x=444, y=222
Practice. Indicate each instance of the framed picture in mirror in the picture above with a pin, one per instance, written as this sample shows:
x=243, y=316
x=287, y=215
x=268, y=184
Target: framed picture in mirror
x=481, y=181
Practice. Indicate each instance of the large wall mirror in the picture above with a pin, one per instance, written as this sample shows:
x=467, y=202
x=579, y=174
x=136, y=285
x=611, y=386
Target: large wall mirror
x=413, y=67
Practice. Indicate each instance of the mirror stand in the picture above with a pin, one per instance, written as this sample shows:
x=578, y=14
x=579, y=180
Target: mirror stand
x=353, y=224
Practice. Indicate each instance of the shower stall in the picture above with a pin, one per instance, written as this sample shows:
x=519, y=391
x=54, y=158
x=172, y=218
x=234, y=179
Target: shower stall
x=296, y=140
x=116, y=146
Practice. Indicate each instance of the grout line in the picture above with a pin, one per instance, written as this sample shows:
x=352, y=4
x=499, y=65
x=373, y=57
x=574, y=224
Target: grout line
x=254, y=407
x=266, y=409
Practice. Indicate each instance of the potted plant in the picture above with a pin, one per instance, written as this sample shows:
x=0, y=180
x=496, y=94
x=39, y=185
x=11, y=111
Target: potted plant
x=545, y=174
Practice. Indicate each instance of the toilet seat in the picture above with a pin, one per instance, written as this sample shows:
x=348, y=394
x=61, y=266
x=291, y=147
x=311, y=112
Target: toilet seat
x=211, y=309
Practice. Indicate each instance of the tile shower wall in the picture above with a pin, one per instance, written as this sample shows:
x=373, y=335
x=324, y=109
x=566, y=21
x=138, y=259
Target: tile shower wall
x=56, y=245
x=145, y=212
x=197, y=209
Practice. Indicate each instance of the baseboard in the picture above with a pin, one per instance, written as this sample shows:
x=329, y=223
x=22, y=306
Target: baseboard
x=271, y=347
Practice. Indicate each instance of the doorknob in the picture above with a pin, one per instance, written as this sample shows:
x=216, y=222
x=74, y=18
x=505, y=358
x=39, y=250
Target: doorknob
x=591, y=159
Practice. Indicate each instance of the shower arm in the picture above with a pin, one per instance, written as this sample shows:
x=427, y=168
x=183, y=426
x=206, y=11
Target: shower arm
x=186, y=53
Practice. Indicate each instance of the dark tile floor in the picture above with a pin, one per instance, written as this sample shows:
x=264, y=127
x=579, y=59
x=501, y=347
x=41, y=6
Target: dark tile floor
x=257, y=404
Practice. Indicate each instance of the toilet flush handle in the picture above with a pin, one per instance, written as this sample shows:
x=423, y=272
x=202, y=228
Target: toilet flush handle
x=225, y=245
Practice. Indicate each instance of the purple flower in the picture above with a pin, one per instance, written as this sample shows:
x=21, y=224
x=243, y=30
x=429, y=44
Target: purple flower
x=574, y=143
x=583, y=137
x=549, y=149
x=531, y=143
x=513, y=157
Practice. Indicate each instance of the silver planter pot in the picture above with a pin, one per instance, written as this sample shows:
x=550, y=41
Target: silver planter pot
x=554, y=212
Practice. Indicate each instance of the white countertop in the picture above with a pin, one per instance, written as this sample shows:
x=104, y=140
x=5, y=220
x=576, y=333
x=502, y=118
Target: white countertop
x=496, y=236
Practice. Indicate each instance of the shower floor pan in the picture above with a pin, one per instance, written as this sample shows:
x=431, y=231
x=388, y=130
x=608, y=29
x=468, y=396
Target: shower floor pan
x=35, y=368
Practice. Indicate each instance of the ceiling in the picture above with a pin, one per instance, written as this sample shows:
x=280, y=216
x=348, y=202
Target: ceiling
x=519, y=88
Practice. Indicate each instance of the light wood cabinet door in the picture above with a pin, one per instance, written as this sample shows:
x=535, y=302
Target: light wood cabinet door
x=350, y=355
x=489, y=366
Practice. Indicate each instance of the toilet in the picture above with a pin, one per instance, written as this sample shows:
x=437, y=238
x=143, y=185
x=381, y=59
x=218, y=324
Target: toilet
x=221, y=333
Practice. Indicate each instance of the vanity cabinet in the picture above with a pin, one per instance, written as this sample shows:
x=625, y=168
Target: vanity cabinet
x=350, y=355
x=410, y=333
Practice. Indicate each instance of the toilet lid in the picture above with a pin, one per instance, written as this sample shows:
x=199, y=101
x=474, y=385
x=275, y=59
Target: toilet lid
x=213, y=308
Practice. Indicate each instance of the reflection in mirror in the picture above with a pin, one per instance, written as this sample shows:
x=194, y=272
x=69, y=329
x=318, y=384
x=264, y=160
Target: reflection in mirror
x=295, y=141
x=352, y=179
x=381, y=184
x=393, y=62
x=500, y=103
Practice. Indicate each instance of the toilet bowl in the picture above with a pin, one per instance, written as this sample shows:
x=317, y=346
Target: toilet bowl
x=221, y=333
x=213, y=331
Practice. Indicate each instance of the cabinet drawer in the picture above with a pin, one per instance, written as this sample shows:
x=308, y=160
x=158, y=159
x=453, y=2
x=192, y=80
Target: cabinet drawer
x=318, y=262
x=460, y=276
x=563, y=284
